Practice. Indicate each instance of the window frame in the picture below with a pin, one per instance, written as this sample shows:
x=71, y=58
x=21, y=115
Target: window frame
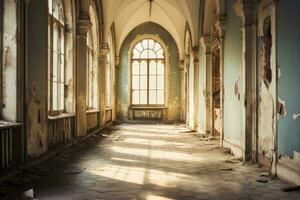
x=61, y=56
x=1, y=53
x=91, y=78
x=148, y=60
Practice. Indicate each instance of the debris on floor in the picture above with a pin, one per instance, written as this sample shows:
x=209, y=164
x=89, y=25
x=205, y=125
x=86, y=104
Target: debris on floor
x=73, y=171
x=226, y=169
x=262, y=180
x=291, y=188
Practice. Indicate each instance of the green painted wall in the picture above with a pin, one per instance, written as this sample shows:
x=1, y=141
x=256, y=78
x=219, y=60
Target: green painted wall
x=233, y=77
x=174, y=71
x=288, y=44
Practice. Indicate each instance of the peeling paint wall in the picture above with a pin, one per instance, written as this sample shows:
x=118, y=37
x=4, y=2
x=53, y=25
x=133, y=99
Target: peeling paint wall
x=36, y=82
x=9, y=61
x=233, y=85
x=174, y=71
x=267, y=80
x=288, y=84
x=201, y=91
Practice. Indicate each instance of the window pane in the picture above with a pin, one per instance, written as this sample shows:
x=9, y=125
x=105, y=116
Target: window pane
x=135, y=97
x=160, y=68
x=143, y=68
x=151, y=44
x=143, y=96
x=50, y=6
x=144, y=54
x=160, y=82
x=135, y=82
x=139, y=47
x=160, y=97
x=152, y=97
x=135, y=68
x=54, y=95
x=152, y=54
x=49, y=95
x=55, y=36
x=55, y=66
x=143, y=82
x=62, y=69
x=136, y=53
x=156, y=47
x=62, y=97
x=145, y=44
x=160, y=53
x=152, y=67
x=152, y=82
x=62, y=38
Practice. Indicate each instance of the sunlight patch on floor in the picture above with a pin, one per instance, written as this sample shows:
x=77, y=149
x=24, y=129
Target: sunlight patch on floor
x=157, y=154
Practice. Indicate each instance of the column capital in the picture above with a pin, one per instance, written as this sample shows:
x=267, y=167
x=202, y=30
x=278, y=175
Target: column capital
x=196, y=53
x=83, y=24
x=220, y=25
x=246, y=10
x=104, y=50
x=117, y=62
x=205, y=42
x=181, y=64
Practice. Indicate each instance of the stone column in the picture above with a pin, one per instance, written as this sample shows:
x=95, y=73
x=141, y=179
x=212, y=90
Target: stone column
x=246, y=10
x=104, y=50
x=196, y=86
x=187, y=80
x=116, y=84
x=183, y=91
x=83, y=25
x=205, y=42
x=220, y=26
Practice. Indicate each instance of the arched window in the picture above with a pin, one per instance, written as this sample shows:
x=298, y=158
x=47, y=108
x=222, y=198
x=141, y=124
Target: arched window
x=92, y=71
x=56, y=57
x=148, y=73
x=108, y=79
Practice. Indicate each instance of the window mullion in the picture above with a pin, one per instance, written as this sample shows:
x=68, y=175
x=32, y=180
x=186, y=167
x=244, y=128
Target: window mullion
x=148, y=62
x=51, y=64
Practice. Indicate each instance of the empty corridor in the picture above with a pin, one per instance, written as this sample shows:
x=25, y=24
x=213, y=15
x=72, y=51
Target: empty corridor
x=153, y=162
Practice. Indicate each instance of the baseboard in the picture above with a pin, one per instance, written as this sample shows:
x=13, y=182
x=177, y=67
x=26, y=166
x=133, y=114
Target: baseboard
x=235, y=149
x=287, y=173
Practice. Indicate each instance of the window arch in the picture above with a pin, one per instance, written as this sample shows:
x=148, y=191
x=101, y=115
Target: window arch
x=92, y=70
x=148, y=73
x=56, y=56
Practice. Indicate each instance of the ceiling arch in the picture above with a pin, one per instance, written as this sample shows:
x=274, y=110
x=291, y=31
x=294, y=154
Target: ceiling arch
x=170, y=14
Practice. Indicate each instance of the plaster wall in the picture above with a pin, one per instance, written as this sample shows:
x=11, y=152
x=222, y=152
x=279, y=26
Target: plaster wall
x=174, y=98
x=233, y=84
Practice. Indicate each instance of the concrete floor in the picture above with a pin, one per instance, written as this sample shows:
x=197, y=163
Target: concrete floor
x=152, y=162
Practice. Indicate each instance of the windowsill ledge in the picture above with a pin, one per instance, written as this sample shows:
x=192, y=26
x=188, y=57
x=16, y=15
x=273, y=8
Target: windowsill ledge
x=108, y=108
x=61, y=116
x=7, y=124
x=92, y=111
x=148, y=107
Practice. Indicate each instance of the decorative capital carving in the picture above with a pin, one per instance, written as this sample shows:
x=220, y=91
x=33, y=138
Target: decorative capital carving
x=246, y=10
x=196, y=53
x=83, y=24
x=220, y=26
x=104, y=50
x=117, y=62
x=181, y=64
x=205, y=42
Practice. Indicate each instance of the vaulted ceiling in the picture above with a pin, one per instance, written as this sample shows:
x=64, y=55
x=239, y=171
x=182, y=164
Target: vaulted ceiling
x=173, y=15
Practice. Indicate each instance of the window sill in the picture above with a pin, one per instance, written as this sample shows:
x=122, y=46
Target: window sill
x=92, y=111
x=108, y=108
x=61, y=116
x=147, y=107
x=7, y=124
